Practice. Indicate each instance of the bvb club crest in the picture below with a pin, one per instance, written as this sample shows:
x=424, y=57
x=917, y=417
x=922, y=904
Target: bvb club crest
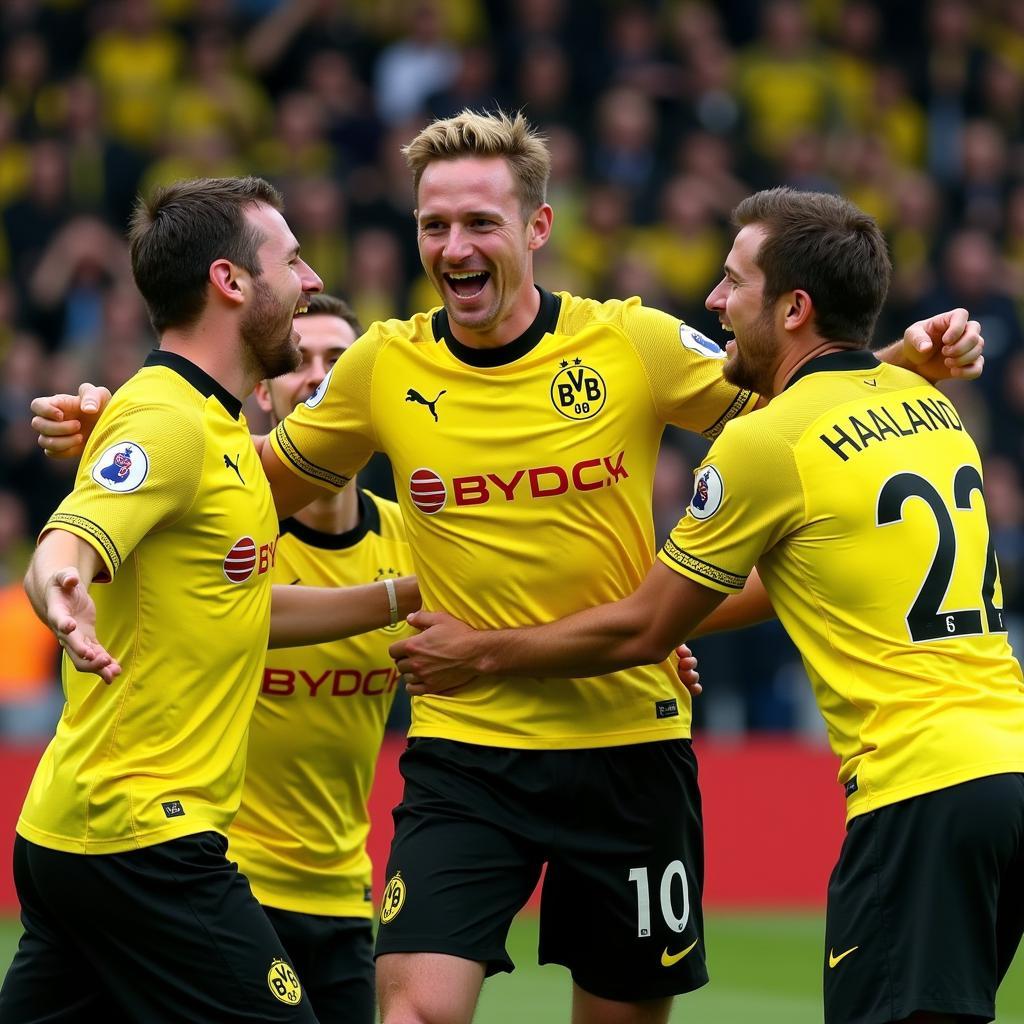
x=394, y=899
x=283, y=982
x=578, y=391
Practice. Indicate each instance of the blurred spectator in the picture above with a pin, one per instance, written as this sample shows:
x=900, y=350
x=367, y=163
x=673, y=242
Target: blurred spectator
x=30, y=703
x=135, y=60
x=415, y=66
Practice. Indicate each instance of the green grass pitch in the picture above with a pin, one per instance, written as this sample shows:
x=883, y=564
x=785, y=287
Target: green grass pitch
x=764, y=968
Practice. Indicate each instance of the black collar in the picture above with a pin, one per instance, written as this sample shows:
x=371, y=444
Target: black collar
x=836, y=362
x=544, y=323
x=199, y=379
x=369, y=522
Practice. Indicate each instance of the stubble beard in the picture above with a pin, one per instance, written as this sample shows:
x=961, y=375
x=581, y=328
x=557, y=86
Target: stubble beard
x=266, y=332
x=752, y=366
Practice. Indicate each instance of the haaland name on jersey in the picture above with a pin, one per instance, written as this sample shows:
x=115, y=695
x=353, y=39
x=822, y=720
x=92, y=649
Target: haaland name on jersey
x=906, y=421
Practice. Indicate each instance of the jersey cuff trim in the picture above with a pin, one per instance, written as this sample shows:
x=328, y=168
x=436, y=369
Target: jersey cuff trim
x=287, y=448
x=698, y=567
x=93, y=531
x=736, y=406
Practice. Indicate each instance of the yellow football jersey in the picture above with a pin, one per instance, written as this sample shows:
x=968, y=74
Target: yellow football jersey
x=858, y=494
x=172, y=495
x=524, y=475
x=300, y=833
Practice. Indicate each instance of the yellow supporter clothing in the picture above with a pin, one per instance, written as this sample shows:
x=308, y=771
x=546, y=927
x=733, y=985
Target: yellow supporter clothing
x=858, y=494
x=524, y=475
x=300, y=833
x=171, y=494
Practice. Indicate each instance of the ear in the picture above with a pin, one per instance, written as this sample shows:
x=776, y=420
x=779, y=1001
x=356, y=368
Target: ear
x=540, y=227
x=262, y=393
x=799, y=310
x=228, y=280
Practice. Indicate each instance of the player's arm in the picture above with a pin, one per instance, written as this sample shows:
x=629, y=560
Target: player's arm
x=747, y=608
x=291, y=492
x=638, y=630
x=315, y=615
x=943, y=347
x=57, y=583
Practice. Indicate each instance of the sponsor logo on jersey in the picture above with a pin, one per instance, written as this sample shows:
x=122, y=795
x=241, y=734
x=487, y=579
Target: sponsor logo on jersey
x=427, y=491
x=670, y=959
x=330, y=682
x=283, y=982
x=172, y=808
x=578, y=392
x=122, y=467
x=707, y=493
x=696, y=342
x=245, y=558
x=394, y=899
x=412, y=395
x=430, y=494
x=318, y=396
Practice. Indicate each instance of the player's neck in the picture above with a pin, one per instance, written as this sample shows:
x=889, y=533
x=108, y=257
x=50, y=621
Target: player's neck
x=335, y=514
x=521, y=315
x=797, y=357
x=205, y=347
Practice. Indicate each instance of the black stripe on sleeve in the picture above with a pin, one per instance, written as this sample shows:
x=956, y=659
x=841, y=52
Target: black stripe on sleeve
x=94, y=530
x=735, y=407
x=702, y=568
x=303, y=465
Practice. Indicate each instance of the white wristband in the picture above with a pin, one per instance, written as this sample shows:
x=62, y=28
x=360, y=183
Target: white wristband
x=389, y=586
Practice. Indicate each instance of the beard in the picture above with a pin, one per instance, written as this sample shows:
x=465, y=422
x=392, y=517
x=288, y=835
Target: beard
x=752, y=365
x=267, y=335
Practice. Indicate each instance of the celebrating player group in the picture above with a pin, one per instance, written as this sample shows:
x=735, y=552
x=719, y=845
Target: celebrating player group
x=551, y=714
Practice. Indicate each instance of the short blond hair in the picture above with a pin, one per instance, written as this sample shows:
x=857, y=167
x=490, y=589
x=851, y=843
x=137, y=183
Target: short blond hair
x=490, y=134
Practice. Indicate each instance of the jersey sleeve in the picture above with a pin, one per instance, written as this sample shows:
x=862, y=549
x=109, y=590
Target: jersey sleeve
x=747, y=495
x=684, y=370
x=330, y=437
x=140, y=471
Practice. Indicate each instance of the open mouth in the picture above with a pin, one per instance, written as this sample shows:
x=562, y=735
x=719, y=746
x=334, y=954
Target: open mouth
x=467, y=284
x=302, y=305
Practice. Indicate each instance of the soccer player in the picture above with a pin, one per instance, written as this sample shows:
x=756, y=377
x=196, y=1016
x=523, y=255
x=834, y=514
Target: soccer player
x=300, y=833
x=858, y=494
x=129, y=905
x=523, y=426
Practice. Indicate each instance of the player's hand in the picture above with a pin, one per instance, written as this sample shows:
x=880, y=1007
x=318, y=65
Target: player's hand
x=946, y=346
x=64, y=422
x=436, y=659
x=71, y=614
x=687, y=671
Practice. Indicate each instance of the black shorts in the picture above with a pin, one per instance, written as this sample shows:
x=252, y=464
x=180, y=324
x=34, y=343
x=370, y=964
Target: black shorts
x=618, y=827
x=334, y=958
x=168, y=933
x=926, y=905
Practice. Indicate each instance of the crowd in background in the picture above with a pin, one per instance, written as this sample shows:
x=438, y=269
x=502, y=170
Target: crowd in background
x=660, y=116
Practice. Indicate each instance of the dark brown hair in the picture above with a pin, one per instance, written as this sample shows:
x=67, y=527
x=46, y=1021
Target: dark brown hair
x=827, y=247
x=181, y=229
x=321, y=304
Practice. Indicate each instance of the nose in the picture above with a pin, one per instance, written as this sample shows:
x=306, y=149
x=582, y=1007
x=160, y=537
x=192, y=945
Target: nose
x=716, y=299
x=310, y=279
x=316, y=371
x=457, y=246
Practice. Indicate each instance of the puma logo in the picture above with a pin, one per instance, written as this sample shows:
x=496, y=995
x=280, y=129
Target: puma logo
x=412, y=395
x=228, y=464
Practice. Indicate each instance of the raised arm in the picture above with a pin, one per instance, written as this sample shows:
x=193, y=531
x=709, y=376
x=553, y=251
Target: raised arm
x=638, y=630
x=315, y=615
x=57, y=583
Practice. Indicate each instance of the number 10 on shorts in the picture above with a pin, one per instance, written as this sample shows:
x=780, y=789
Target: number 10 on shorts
x=639, y=877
